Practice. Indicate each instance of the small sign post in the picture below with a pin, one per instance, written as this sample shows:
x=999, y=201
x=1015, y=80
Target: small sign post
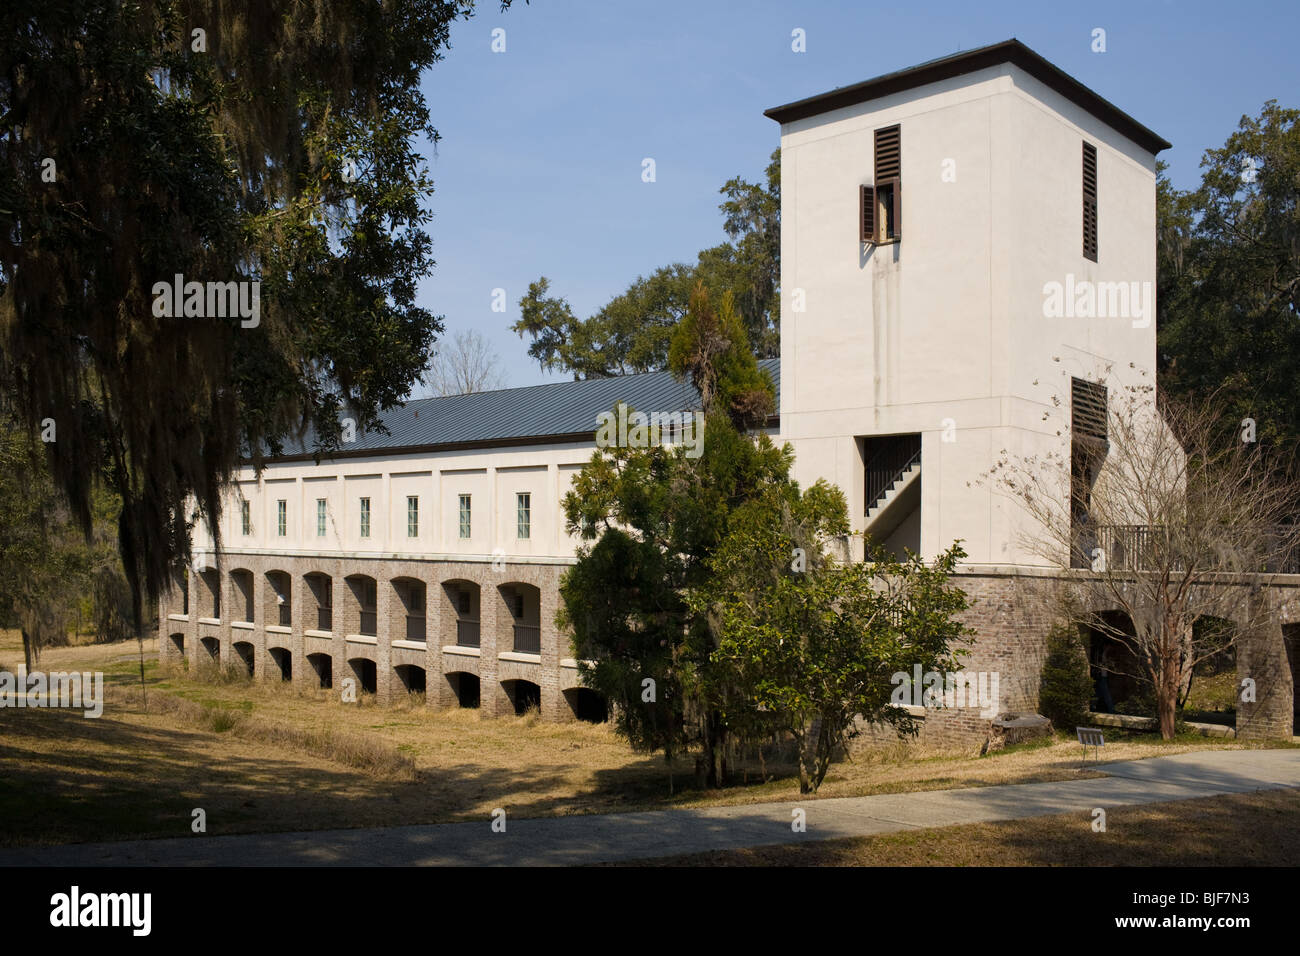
x=1090, y=737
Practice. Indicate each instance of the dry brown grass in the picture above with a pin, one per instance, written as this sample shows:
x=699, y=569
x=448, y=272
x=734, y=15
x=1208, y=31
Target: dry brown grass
x=269, y=757
x=1250, y=829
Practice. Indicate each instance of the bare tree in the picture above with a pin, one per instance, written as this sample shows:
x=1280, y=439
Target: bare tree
x=466, y=364
x=1164, y=519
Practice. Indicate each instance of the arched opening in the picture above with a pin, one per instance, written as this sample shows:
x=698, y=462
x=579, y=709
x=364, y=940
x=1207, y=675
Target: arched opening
x=412, y=678
x=364, y=672
x=283, y=659
x=587, y=704
x=245, y=651
x=520, y=623
x=362, y=606
x=410, y=625
x=320, y=587
x=279, y=599
x=466, y=688
x=211, y=581
x=242, y=595
x=1210, y=696
x=178, y=642
x=524, y=694
x=1116, y=670
x=464, y=596
x=213, y=647
x=323, y=667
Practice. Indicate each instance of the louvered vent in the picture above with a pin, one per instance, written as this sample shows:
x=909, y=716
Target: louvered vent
x=888, y=154
x=1090, y=201
x=1088, y=409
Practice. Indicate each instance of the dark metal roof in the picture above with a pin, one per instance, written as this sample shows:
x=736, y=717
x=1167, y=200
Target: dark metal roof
x=1008, y=51
x=564, y=411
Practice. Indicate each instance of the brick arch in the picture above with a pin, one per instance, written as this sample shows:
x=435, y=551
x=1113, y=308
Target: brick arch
x=519, y=617
x=410, y=610
x=277, y=598
x=242, y=590
x=462, y=612
x=318, y=601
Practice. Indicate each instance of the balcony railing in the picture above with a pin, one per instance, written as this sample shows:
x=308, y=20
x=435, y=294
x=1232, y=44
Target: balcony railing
x=528, y=639
x=1148, y=548
x=467, y=633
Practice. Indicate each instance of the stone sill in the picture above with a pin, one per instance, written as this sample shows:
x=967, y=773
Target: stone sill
x=278, y=629
x=328, y=634
x=362, y=639
x=242, y=625
x=572, y=663
x=1129, y=722
x=210, y=620
x=520, y=658
x=462, y=651
x=178, y=617
x=412, y=645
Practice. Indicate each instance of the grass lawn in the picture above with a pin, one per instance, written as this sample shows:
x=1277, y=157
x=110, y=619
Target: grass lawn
x=266, y=757
x=1245, y=829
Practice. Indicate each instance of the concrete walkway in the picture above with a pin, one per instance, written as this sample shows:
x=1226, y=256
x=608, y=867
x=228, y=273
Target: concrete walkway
x=629, y=836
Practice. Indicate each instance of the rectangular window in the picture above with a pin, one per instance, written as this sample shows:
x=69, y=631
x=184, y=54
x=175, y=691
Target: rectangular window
x=1090, y=201
x=245, y=518
x=464, y=516
x=412, y=516
x=282, y=517
x=880, y=206
x=523, y=514
x=465, y=603
x=320, y=517
x=365, y=517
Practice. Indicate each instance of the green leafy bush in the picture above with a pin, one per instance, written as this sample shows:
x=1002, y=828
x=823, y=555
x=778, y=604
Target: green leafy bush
x=1065, y=687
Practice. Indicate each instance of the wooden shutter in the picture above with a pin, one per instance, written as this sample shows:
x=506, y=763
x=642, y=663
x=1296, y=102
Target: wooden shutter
x=1090, y=201
x=889, y=163
x=1088, y=410
x=867, y=213
x=898, y=208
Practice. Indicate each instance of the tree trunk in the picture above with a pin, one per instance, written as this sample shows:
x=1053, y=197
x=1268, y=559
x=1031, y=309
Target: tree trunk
x=27, y=650
x=808, y=754
x=1167, y=699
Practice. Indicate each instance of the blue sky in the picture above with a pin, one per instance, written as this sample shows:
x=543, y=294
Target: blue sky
x=538, y=171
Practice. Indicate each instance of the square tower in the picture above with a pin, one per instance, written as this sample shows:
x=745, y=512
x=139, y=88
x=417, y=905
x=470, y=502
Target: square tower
x=964, y=244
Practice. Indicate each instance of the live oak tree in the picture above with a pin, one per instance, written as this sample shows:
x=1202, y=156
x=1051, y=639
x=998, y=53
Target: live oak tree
x=53, y=572
x=633, y=331
x=1229, y=281
x=271, y=142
